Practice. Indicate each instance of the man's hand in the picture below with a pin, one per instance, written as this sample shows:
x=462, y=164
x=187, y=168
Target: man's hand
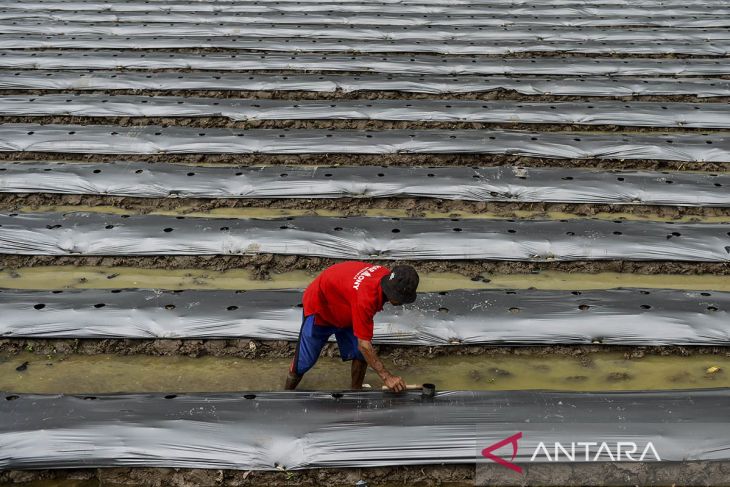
x=394, y=383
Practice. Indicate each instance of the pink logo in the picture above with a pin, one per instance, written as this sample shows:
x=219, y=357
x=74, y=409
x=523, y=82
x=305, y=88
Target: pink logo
x=487, y=452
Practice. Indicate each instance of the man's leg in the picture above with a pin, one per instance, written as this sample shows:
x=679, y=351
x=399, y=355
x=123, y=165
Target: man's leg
x=292, y=381
x=347, y=343
x=312, y=339
x=357, y=371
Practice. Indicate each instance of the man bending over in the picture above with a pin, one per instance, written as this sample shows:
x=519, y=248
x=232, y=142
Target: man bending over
x=342, y=301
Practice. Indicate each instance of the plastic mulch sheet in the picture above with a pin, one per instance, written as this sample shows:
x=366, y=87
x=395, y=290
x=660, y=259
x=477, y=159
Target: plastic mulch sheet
x=634, y=114
x=523, y=184
x=185, y=80
x=151, y=139
x=516, y=317
x=283, y=430
x=364, y=238
x=384, y=63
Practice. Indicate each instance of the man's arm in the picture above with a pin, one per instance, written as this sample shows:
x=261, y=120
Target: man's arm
x=393, y=382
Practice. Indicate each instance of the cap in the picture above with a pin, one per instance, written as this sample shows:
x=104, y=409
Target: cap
x=401, y=284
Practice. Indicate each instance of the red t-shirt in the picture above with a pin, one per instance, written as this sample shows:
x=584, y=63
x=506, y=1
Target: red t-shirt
x=347, y=295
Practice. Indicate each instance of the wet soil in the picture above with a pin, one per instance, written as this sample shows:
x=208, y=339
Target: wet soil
x=264, y=264
x=615, y=473
x=578, y=369
x=349, y=124
x=425, y=476
x=53, y=278
x=338, y=72
x=266, y=349
x=332, y=159
x=498, y=94
x=413, y=207
x=507, y=56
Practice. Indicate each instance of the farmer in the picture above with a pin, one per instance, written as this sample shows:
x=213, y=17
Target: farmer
x=342, y=301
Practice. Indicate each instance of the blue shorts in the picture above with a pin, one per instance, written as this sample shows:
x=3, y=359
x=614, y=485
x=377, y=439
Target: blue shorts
x=312, y=338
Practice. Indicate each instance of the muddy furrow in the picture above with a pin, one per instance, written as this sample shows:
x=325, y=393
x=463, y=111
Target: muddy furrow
x=353, y=52
x=264, y=264
x=499, y=94
x=349, y=124
x=412, y=207
x=424, y=475
x=372, y=160
x=421, y=475
x=265, y=349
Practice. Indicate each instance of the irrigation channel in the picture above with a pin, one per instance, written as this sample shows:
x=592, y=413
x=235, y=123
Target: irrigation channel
x=174, y=173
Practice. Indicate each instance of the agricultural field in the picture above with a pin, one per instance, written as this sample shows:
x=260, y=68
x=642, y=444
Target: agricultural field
x=174, y=172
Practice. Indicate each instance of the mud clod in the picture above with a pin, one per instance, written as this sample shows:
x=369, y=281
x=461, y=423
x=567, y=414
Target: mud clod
x=496, y=372
x=618, y=377
x=475, y=375
x=167, y=347
x=681, y=377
